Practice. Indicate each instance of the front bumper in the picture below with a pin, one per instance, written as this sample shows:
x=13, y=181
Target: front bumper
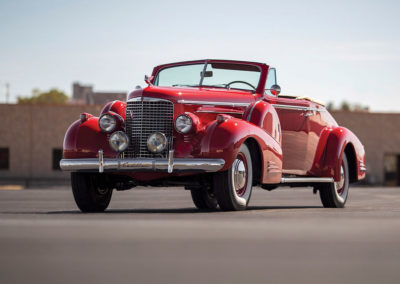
x=135, y=165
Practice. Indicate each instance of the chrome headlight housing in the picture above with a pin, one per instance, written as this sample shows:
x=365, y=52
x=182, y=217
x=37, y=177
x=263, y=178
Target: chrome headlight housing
x=107, y=122
x=183, y=123
x=157, y=142
x=119, y=141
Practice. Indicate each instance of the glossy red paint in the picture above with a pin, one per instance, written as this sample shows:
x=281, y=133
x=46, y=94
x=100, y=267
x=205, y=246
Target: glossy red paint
x=264, y=115
x=223, y=140
x=206, y=95
x=293, y=136
x=84, y=140
x=328, y=159
x=116, y=107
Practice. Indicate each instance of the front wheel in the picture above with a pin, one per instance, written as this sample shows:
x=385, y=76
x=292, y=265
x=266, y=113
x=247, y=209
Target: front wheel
x=233, y=187
x=90, y=195
x=334, y=195
x=204, y=199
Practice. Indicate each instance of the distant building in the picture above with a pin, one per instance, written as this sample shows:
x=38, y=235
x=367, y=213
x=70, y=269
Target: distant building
x=380, y=135
x=84, y=94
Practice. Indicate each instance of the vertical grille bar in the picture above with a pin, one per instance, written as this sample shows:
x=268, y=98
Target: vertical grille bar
x=144, y=118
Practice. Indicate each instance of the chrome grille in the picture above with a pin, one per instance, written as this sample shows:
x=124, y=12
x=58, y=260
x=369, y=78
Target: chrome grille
x=144, y=118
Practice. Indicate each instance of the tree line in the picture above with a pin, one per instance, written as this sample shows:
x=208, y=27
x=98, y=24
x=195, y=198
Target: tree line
x=346, y=106
x=53, y=96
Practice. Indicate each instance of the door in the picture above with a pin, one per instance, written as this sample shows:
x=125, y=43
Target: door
x=295, y=130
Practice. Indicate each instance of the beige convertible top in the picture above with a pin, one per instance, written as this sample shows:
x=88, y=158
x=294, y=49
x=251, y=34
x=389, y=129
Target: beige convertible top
x=302, y=98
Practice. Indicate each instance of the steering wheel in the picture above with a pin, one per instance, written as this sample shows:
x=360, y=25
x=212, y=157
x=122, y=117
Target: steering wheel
x=243, y=82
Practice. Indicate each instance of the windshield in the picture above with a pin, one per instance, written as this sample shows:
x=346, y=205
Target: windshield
x=210, y=74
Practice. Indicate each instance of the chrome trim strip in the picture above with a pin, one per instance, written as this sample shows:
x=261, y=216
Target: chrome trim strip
x=273, y=167
x=305, y=179
x=251, y=111
x=213, y=103
x=363, y=167
x=292, y=107
x=214, y=111
x=147, y=99
x=179, y=165
x=111, y=105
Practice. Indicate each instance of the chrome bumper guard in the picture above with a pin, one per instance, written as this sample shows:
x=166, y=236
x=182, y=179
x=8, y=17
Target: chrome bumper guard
x=164, y=165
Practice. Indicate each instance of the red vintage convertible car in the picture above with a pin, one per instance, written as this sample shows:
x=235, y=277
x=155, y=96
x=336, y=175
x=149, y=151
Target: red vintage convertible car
x=216, y=127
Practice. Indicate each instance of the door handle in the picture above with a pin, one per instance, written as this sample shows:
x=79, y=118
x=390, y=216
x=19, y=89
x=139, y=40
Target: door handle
x=309, y=113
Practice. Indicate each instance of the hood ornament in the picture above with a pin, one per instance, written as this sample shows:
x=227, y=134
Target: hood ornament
x=148, y=79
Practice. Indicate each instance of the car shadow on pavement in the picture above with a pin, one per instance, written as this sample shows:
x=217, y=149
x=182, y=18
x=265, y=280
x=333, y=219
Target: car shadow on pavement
x=190, y=210
x=185, y=210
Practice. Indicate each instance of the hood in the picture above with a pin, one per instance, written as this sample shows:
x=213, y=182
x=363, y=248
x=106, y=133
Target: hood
x=198, y=94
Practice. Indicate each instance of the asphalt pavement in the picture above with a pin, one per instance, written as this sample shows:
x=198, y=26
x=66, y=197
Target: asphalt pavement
x=151, y=235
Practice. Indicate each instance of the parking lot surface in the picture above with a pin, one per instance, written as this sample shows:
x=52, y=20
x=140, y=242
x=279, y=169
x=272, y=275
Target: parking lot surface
x=155, y=235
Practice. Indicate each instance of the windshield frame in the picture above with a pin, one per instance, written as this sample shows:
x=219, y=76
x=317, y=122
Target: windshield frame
x=261, y=66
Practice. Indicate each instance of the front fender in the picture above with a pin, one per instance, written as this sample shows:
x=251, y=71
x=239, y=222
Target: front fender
x=118, y=107
x=332, y=145
x=264, y=115
x=223, y=140
x=85, y=139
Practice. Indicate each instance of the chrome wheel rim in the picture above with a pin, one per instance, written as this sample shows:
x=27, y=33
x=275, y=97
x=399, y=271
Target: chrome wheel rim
x=240, y=175
x=340, y=186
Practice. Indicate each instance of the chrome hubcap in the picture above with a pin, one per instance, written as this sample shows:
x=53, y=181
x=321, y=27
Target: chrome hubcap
x=339, y=184
x=239, y=174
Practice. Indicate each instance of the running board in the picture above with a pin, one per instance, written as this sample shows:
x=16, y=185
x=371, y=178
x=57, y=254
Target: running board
x=306, y=179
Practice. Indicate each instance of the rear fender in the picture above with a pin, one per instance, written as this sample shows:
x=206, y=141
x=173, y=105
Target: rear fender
x=223, y=140
x=328, y=159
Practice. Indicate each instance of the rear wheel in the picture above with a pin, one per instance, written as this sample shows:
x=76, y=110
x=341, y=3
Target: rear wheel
x=89, y=194
x=204, y=199
x=334, y=195
x=233, y=187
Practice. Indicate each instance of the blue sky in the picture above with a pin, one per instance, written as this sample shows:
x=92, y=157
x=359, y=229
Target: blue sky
x=333, y=51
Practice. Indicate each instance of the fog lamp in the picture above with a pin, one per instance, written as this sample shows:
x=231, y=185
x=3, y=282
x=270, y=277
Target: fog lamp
x=119, y=141
x=157, y=142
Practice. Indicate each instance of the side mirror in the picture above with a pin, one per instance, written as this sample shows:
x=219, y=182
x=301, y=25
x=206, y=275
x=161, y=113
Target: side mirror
x=275, y=90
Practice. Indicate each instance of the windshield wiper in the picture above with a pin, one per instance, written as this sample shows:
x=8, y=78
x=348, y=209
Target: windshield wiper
x=225, y=86
x=183, y=85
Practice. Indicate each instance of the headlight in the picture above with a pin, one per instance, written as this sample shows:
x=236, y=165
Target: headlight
x=119, y=141
x=107, y=122
x=183, y=124
x=157, y=142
